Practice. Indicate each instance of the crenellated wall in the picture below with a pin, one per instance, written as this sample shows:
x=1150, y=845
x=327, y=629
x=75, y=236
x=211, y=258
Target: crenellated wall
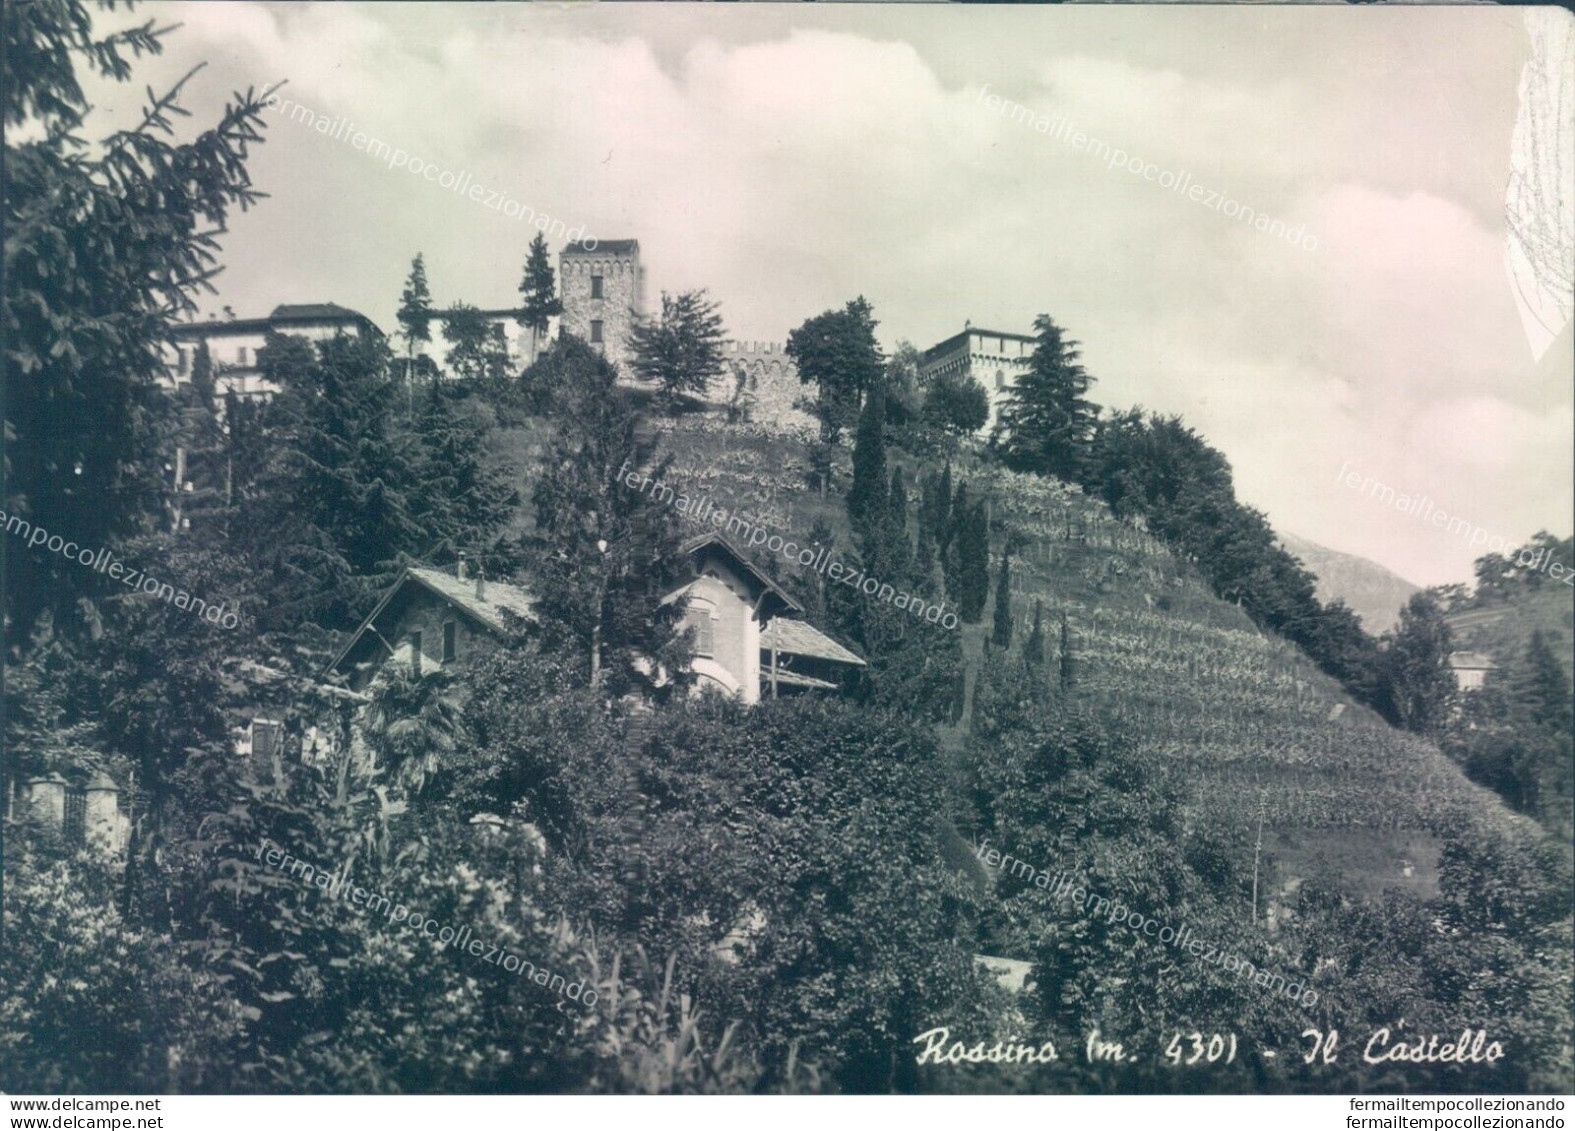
x=770, y=387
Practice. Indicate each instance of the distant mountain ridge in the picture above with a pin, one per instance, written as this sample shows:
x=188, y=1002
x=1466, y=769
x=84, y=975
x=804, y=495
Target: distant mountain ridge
x=1374, y=593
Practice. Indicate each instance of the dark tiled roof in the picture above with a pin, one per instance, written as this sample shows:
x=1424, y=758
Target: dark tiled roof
x=946, y=345
x=597, y=247
x=313, y=312
x=694, y=545
x=500, y=595
x=488, y=610
x=797, y=638
x=794, y=679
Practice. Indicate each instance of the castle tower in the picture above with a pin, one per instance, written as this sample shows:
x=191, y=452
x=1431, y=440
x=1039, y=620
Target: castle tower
x=603, y=290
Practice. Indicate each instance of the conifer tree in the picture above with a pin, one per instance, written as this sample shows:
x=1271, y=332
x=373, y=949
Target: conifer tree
x=539, y=301
x=1068, y=676
x=1542, y=688
x=973, y=564
x=681, y=350
x=867, y=495
x=957, y=512
x=1046, y=422
x=604, y=552
x=332, y=513
x=1002, y=634
x=895, y=522
x=460, y=498
x=415, y=311
x=109, y=234
x=924, y=563
x=1034, y=650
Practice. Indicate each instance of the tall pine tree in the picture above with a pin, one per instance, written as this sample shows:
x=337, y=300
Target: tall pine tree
x=415, y=312
x=539, y=301
x=1046, y=422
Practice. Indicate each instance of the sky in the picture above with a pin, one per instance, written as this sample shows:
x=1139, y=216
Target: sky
x=791, y=157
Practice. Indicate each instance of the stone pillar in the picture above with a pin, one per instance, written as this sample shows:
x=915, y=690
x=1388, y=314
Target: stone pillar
x=102, y=822
x=46, y=801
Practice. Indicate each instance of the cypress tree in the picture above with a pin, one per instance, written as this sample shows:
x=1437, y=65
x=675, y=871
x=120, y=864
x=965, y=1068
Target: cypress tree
x=415, y=311
x=950, y=539
x=898, y=550
x=1034, y=650
x=973, y=564
x=1002, y=635
x=867, y=495
x=1067, y=675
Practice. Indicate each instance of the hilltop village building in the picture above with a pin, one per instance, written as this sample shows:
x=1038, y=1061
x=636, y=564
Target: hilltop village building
x=602, y=286
x=233, y=343
x=995, y=358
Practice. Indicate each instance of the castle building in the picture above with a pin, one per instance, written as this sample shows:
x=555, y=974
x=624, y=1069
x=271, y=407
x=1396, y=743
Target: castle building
x=505, y=325
x=995, y=358
x=602, y=286
x=233, y=343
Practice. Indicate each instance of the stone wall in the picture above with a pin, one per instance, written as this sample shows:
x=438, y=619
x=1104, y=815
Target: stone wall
x=769, y=389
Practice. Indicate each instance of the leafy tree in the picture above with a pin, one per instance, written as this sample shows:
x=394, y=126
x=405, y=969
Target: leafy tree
x=96, y=1003
x=1046, y=422
x=956, y=403
x=904, y=396
x=1160, y=469
x=605, y=553
x=851, y=959
x=1421, y=686
x=681, y=351
x=415, y=311
x=107, y=239
x=539, y=301
x=836, y=351
x=477, y=351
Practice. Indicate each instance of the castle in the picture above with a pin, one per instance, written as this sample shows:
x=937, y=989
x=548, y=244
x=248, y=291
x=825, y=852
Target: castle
x=602, y=286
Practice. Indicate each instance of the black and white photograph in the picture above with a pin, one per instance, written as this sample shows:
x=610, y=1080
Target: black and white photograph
x=755, y=550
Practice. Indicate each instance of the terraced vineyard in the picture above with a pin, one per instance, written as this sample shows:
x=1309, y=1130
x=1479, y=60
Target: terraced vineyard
x=1240, y=722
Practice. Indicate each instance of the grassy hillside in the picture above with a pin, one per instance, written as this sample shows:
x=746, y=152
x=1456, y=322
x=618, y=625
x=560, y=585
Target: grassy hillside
x=1240, y=722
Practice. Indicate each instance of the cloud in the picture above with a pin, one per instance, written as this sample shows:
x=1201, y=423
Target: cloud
x=789, y=160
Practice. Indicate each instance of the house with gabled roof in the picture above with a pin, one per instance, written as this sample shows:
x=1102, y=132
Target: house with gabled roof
x=428, y=620
x=749, y=636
